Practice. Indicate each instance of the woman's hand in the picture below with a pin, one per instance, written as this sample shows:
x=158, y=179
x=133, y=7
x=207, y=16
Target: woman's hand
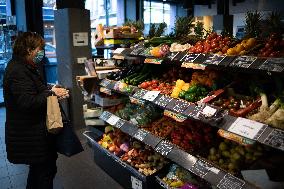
x=61, y=93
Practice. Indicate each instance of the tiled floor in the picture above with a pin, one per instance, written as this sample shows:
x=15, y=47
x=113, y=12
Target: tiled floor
x=77, y=172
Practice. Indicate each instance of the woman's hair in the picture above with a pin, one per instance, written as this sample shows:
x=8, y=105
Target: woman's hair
x=27, y=41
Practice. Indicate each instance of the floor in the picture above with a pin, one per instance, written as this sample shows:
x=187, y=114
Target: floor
x=77, y=172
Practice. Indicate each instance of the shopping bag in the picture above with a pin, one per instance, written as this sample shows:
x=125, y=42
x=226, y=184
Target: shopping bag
x=53, y=116
x=67, y=142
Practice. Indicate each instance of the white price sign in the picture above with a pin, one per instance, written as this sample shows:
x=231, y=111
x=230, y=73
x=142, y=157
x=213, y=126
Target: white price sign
x=118, y=50
x=246, y=127
x=151, y=95
x=208, y=111
x=113, y=120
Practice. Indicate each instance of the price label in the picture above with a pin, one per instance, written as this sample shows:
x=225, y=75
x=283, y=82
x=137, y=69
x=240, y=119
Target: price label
x=175, y=116
x=179, y=106
x=151, y=95
x=120, y=123
x=189, y=57
x=275, y=139
x=105, y=82
x=230, y=182
x=118, y=50
x=141, y=134
x=273, y=65
x=243, y=61
x=105, y=115
x=214, y=59
x=201, y=168
x=136, y=183
x=208, y=111
x=113, y=119
x=163, y=101
x=247, y=128
x=164, y=148
x=140, y=94
x=172, y=55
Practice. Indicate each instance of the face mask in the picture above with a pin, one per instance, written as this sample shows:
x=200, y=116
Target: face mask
x=38, y=57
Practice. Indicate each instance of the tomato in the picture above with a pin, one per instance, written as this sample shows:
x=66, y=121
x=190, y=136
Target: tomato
x=213, y=45
x=219, y=37
x=267, y=45
x=199, y=43
x=155, y=81
x=224, y=49
x=226, y=39
x=144, y=85
x=149, y=83
x=154, y=86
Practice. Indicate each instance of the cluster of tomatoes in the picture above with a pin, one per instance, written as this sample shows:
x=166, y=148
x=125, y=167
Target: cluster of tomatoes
x=273, y=46
x=156, y=85
x=212, y=44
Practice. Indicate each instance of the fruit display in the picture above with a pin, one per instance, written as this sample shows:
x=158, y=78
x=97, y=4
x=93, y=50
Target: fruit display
x=115, y=141
x=191, y=135
x=198, y=88
x=274, y=47
x=242, y=48
x=176, y=47
x=233, y=157
x=162, y=127
x=238, y=106
x=160, y=51
x=178, y=177
x=139, y=115
x=156, y=85
x=212, y=44
x=144, y=159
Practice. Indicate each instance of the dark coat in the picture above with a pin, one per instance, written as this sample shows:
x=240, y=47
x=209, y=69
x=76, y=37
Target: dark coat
x=25, y=97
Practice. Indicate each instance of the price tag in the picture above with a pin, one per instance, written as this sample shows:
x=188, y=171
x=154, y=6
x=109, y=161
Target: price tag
x=164, y=148
x=141, y=134
x=172, y=55
x=113, y=120
x=214, y=59
x=175, y=116
x=120, y=123
x=201, y=168
x=247, y=128
x=273, y=65
x=151, y=95
x=230, y=182
x=118, y=50
x=105, y=82
x=193, y=66
x=208, y=111
x=243, y=61
x=163, y=101
x=105, y=115
x=189, y=57
x=275, y=139
x=178, y=106
x=140, y=93
x=136, y=183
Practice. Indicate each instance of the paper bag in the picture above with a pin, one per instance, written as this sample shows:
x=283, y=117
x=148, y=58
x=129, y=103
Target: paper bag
x=53, y=117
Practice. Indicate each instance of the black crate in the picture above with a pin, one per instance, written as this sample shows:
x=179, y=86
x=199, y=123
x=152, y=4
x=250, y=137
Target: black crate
x=124, y=174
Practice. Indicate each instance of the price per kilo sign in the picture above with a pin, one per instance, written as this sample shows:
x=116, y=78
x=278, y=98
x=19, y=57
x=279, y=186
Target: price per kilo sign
x=151, y=95
x=141, y=134
x=105, y=115
x=105, y=82
x=113, y=120
x=247, y=128
x=164, y=148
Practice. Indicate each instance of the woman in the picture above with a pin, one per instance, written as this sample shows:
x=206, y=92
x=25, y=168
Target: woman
x=25, y=97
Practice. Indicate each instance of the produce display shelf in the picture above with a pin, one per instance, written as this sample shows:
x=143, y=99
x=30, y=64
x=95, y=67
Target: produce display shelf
x=243, y=127
x=198, y=166
x=128, y=177
x=241, y=63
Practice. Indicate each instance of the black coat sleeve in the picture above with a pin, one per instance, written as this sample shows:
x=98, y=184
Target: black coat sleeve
x=25, y=94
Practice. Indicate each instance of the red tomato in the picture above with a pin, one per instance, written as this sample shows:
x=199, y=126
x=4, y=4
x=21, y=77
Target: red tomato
x=154, y=86
x=144, y=85
x=155, y=81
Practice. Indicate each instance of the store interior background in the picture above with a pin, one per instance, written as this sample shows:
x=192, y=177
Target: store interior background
x=38, y=16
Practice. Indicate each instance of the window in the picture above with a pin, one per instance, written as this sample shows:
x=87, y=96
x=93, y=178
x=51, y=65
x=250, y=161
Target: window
x=49, y=37
x=158, y=12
